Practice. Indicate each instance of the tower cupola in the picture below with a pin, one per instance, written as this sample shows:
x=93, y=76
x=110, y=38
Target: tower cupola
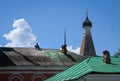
x=87, y=22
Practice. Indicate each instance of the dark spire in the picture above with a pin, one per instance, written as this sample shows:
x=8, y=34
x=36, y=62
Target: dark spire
x=64, y=49
x=64, y=36
x=87, y=46
x=87, y=22
x=86, y=13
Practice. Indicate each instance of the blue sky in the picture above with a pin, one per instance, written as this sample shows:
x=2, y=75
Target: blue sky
x=46, y=20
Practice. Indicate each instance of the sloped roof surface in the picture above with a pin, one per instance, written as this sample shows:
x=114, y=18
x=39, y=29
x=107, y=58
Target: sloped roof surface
x=93, y=64
x=33, y=57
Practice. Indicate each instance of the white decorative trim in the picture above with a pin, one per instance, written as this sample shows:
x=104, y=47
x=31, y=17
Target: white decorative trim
x=38, y=75
x=33, y=68
x=15, y=75
x=28, y=72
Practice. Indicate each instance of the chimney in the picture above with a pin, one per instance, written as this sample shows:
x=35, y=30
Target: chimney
x=106, y=57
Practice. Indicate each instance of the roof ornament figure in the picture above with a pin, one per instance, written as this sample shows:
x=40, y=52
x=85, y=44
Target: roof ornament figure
x=106, y=57
x=37, y=47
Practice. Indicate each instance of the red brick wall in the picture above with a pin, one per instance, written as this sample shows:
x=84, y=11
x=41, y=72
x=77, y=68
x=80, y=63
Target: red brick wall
x=30, y=75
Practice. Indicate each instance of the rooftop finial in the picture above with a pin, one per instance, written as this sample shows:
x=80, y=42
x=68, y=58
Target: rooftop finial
x=64, y=47
x=86, y=13
x=65, y=36
x=87, y=22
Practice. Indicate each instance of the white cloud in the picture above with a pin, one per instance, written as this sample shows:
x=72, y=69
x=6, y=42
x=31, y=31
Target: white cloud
x=70, y=48
x=21, y=35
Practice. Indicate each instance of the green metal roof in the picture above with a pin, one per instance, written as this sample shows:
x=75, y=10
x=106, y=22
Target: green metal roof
x=32, y=57
x=92, y=64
